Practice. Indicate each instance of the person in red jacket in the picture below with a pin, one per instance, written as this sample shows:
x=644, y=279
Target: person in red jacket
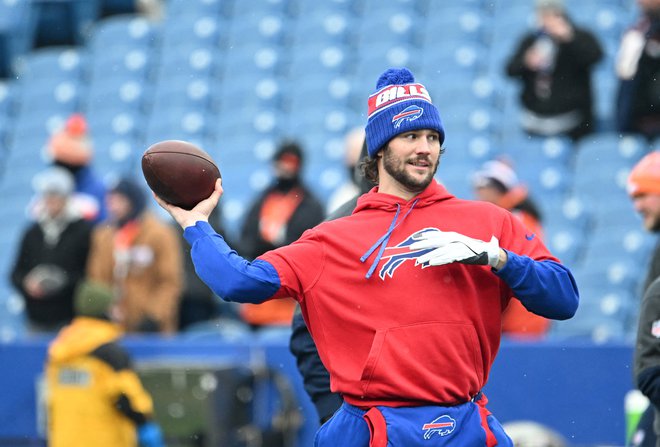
x=404, y=297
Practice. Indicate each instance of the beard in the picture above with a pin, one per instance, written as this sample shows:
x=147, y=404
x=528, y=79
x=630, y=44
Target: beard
x=396, y=168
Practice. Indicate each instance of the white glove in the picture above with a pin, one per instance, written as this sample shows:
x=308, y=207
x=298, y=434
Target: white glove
x=454, y=247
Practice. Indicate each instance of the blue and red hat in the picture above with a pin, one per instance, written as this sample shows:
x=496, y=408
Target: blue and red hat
x=399, y=105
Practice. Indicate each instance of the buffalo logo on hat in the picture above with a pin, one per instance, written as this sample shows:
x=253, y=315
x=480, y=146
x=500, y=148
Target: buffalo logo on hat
x=410, y=113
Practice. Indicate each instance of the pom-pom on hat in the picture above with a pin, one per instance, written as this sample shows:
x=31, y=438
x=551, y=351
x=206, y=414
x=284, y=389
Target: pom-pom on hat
x=399, y=105
x=645, y=176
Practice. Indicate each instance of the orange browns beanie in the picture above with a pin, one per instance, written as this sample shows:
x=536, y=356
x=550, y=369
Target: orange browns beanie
x=645, y=176
x=71, y=145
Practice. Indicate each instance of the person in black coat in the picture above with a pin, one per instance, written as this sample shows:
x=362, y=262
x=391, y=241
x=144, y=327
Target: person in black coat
x=53, y=252
x=554, y=63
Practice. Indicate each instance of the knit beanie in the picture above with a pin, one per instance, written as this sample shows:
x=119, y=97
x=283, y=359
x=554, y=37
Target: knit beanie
x=399, y=105
x=645, y=176
x=71, y=146
x=92, y=299
x=134, y=193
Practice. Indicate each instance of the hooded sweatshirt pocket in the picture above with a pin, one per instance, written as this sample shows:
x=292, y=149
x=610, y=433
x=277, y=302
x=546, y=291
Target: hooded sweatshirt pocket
x=433, y=361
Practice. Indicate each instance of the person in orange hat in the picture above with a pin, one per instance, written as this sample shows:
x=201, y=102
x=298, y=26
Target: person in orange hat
x=71, y=148
x=644, y=190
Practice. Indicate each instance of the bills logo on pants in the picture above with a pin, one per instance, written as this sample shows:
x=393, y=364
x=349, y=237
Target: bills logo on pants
x=443, y=426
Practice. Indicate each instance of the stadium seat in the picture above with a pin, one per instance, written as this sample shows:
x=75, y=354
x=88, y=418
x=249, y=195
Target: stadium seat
x=198, y=8
x=602, y=317
x=190, y=31
x=116, y=93
x=124, y=31
x=119, y=122
x=127, y=62
x=51, y=63
x=323, y=28
x=17, y=28
x=258, y=28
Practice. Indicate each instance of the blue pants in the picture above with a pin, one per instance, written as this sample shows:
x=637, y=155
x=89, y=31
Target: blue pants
x=460, y=425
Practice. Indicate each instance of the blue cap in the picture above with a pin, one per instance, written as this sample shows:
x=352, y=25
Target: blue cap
x=399, y=105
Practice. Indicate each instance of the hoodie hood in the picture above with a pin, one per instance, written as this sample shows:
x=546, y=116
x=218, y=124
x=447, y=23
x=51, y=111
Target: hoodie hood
x=435, y=192
x=81, y=337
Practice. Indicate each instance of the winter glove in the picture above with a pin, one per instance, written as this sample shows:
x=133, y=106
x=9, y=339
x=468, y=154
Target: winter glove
x=150, y=435
x=454, y=247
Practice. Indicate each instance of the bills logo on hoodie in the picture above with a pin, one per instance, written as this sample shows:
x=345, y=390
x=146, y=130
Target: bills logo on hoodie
x=395, y=256
x=410, y=113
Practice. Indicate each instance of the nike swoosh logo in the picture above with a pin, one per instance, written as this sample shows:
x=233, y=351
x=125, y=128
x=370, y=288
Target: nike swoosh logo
x=529, y=237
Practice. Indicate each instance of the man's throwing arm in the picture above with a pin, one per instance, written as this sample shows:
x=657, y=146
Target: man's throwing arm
x=225, y=272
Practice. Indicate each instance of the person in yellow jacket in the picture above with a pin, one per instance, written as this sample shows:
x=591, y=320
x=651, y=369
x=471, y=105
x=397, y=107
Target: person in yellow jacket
x=94, y=397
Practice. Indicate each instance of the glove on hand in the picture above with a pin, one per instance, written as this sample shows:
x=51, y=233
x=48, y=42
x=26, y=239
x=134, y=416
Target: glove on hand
x=454, y=247
x=150, y=435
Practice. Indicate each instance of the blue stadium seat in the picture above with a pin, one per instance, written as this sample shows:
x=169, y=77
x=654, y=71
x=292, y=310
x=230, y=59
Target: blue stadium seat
x=467, y=21
x=392, y=25
x=566, y=223
x=51, y=63
x=117, y=93
x=127, y=62
x=177, y=123
x=252, y=60
x=187, y=62
x=602, y=317
x=323, y=28
x=197, y=93
x=63, y=97
x=120, y=122
x=116, y=155
x=189, y=31
x=17, y=28
x=603, y=162
x=198, y=8
x=259, y=28
x=124, y=31
x=7, y=97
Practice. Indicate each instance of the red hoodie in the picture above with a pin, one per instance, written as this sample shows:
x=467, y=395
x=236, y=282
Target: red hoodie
x=413, y=334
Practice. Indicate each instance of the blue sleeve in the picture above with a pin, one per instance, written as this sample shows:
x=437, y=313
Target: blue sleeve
x=546, y=288
x=225, y=272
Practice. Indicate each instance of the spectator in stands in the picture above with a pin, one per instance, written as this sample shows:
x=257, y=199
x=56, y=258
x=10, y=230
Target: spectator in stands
x=353, y=143
x=553, y=64
x=278, y=217
x=644, y=190
x=94, y=397
x=638, y=70
x=71, y=148
x=497, y=182
x=140, y=258
x=53, y=253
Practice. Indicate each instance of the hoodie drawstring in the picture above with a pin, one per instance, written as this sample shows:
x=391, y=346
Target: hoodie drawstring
x=384, y=239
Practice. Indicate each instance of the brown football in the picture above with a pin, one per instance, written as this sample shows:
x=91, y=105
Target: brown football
x=179, y=172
